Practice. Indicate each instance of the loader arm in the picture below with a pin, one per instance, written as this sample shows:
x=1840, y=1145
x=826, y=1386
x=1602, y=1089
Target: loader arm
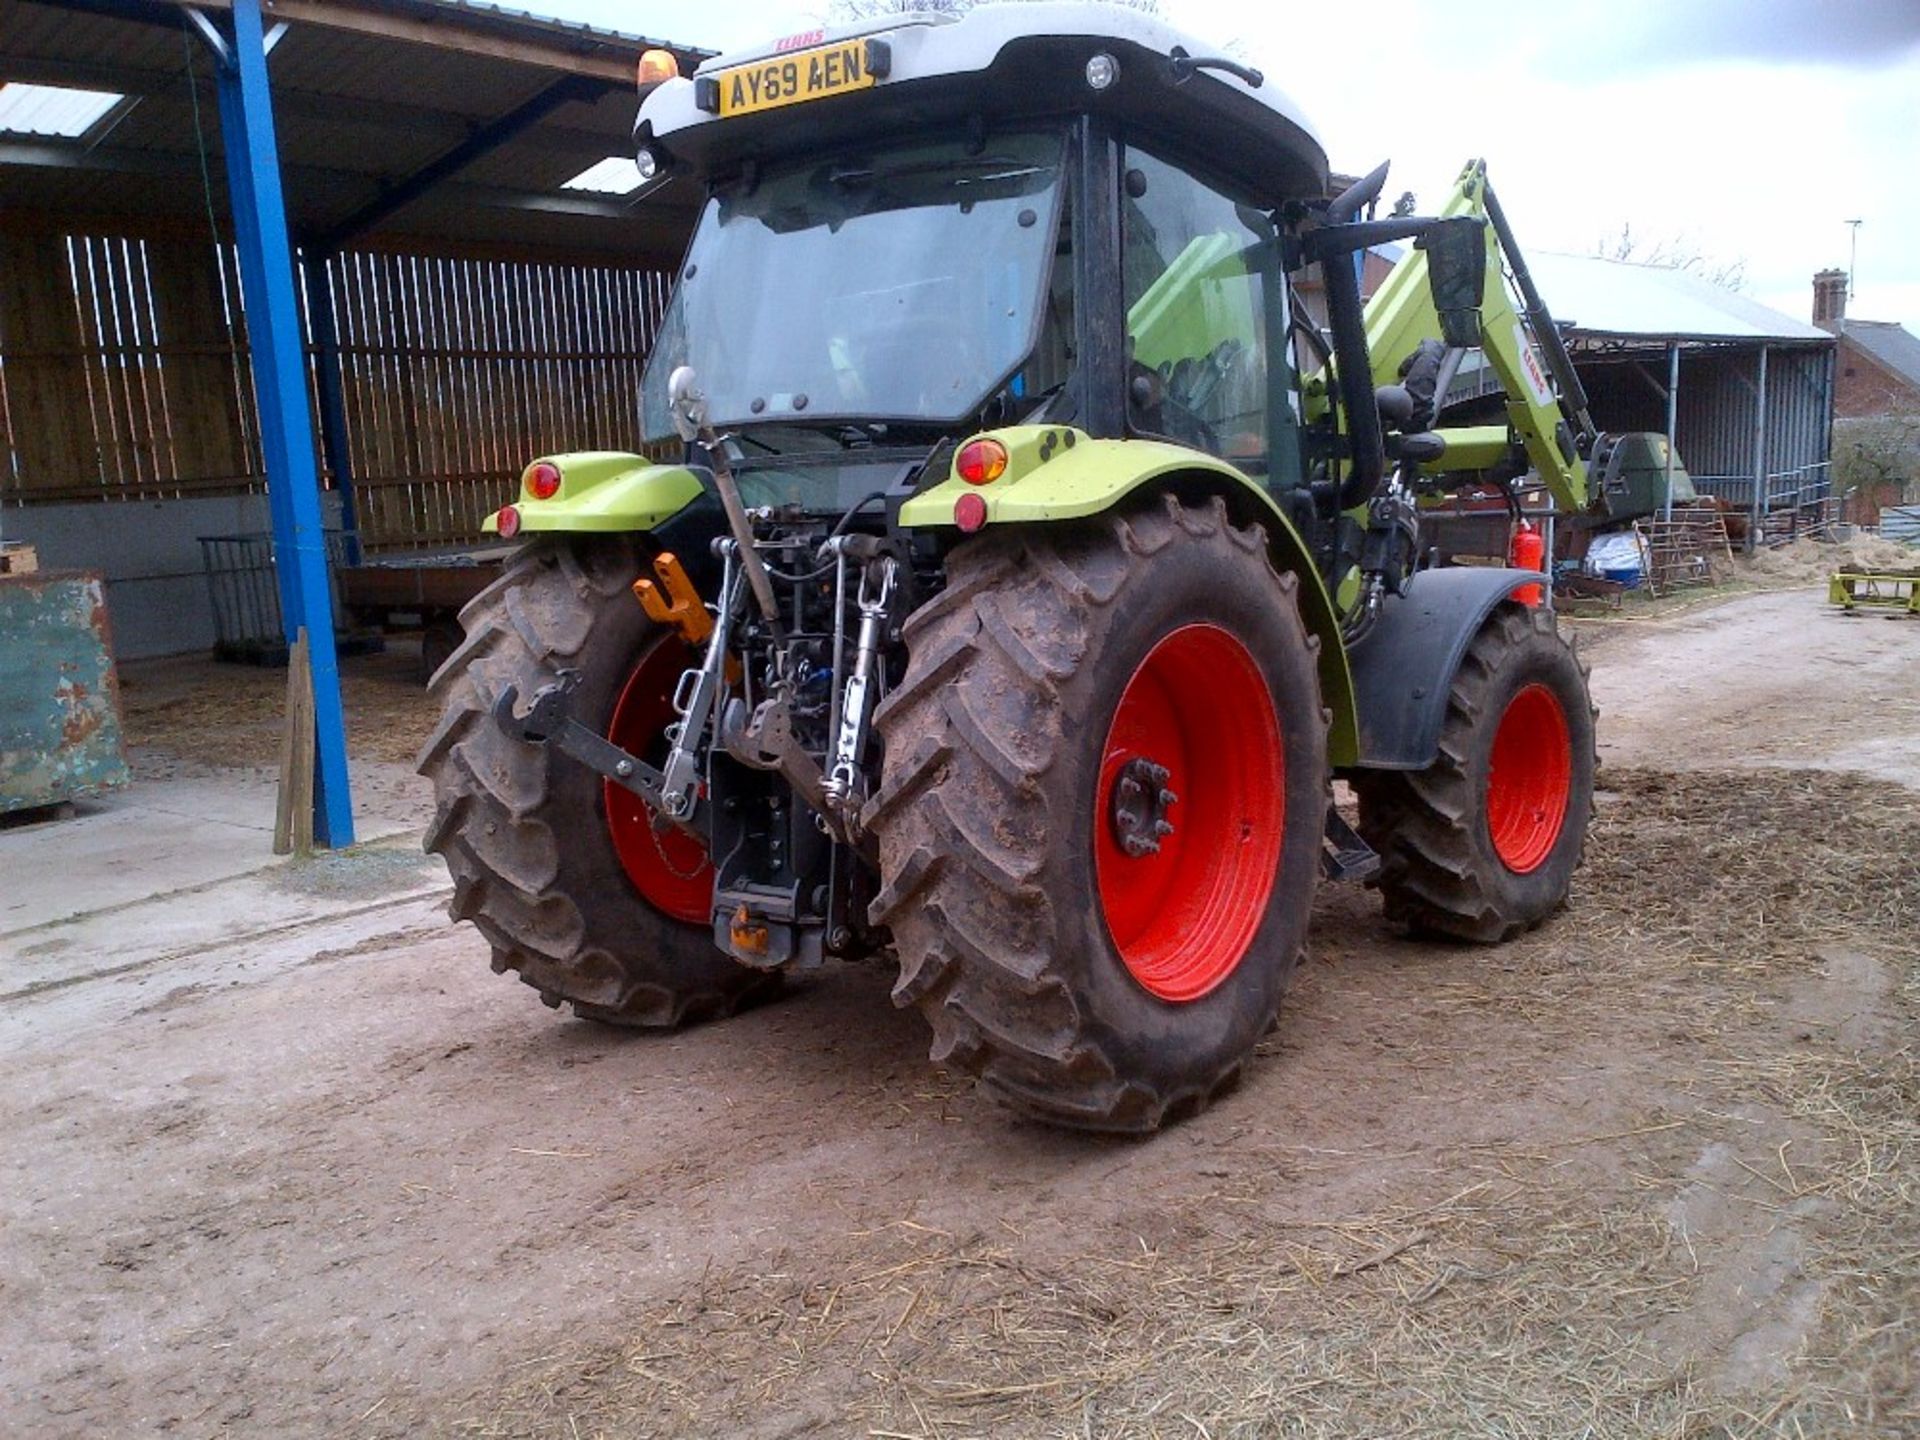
x=1546, y=406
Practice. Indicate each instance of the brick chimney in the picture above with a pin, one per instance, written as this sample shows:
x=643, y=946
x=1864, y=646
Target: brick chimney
x=1830, y=299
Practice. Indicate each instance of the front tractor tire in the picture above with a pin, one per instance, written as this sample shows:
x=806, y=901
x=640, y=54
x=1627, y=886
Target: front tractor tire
x=1482, y=844
x=1101, y=813
x=560, y=871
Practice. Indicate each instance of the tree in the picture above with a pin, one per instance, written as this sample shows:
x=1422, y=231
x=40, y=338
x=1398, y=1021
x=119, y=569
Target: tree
x=1876, y=461
x=1673, y=252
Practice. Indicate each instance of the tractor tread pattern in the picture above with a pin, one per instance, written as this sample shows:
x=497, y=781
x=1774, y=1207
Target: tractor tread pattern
x=496, y=824
x=1422, y=822
x=968, y=807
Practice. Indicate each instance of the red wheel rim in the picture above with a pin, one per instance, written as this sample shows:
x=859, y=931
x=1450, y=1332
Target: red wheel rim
x=1182, y=918
x=1529, y=779
x=671, y=870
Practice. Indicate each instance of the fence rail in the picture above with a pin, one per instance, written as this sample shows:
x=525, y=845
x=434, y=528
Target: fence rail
x=125, y=375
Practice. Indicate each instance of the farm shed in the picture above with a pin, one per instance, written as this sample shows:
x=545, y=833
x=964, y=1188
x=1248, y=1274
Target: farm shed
x=469, y=282
x=1745, y=392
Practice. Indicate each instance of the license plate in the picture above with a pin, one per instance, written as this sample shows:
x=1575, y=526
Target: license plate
x=794, y=79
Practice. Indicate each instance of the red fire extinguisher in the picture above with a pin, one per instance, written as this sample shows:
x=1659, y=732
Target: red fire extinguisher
x=1528, y=551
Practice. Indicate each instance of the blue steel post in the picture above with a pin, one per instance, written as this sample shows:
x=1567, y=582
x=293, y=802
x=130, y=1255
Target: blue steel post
x=280, y=387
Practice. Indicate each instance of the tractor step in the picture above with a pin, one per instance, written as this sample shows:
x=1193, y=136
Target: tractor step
x=1347, y=856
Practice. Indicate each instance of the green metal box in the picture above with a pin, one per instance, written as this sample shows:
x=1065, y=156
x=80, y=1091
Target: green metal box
x=59, y=697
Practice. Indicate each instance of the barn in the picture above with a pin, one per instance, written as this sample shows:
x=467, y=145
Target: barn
x=375, y=252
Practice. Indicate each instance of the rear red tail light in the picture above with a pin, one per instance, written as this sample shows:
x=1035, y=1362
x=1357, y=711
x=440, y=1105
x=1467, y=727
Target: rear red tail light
x=507, y=521
x=981, y=461
x=543, y=480
x=970, y=512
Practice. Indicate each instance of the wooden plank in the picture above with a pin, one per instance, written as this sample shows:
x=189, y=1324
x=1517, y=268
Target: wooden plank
x=283, y=799
x=249, y=408
x=47, y=403
x=293, y=810
x=480, y=377
x=134, y=298
x=197, y=358
x=370, y=431
x=384, y=436
x=105, y=398
x=508, y=410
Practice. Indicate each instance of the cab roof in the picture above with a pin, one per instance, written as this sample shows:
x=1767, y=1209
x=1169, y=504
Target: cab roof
x=1000, y=63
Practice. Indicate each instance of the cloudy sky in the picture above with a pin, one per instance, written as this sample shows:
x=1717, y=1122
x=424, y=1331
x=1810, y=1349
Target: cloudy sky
x=1748, y=130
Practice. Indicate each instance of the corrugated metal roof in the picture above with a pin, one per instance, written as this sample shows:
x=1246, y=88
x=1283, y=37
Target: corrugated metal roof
x=1892, y=345
x=521, y=17
x=1616, y=299
x=365, y=96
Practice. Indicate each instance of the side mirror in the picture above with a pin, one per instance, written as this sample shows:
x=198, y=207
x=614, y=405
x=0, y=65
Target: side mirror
x=686, y=403
x=1457, y=276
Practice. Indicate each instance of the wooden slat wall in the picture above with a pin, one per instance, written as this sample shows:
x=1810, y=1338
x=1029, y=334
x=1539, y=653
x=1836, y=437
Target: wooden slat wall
x=124, y=374
x=457, y=372
x=203, y=364
x=49, y=422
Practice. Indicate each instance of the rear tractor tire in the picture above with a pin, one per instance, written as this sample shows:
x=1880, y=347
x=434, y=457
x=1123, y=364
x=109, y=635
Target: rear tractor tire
x=560, y=871
x=1482, y=845
x=1101, y=813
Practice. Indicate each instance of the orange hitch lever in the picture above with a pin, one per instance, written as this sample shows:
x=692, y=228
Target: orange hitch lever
x=672, y=600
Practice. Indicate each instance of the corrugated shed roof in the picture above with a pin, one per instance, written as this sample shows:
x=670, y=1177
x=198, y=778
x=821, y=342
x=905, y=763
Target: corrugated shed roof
x=367, y=93
x=527, y=19
x=1892, y=345
x=1615, y=299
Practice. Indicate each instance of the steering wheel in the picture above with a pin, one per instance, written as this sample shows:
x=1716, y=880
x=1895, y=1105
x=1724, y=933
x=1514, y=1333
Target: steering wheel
x=1200, y=379
x=1201, y=431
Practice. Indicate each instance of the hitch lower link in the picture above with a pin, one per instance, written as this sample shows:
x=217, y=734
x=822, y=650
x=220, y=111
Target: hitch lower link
x=673, y=793
x=548, y=720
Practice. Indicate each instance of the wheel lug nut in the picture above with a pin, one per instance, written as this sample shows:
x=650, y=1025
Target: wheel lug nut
x=1167, y=797
x=1161, y=827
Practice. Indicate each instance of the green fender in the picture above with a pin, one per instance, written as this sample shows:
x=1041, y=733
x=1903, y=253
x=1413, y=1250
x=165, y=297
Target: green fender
x=1056, y=473
x=603, y=492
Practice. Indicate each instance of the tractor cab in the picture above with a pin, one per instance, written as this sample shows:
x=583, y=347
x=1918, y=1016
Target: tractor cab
x=939, y=226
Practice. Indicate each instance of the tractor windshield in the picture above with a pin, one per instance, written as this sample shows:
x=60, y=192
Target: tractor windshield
x=905, y=283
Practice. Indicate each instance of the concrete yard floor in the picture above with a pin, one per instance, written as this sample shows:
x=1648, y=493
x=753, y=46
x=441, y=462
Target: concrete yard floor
x=284, y=1158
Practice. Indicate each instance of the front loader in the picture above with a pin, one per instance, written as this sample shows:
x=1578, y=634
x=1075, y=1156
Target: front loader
x=1029, y=569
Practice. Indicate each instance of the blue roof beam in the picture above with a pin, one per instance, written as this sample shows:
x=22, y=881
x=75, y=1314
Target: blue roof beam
x=487, y=138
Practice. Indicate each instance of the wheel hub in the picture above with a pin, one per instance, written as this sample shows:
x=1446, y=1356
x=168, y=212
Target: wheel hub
x=1137, y=807
x=669, y=867
x=1183, y=908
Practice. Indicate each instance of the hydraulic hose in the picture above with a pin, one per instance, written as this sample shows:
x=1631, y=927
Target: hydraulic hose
x=1367, y=462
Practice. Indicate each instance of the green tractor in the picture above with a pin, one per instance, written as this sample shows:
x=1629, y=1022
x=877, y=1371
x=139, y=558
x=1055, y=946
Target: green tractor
x=1031, y=566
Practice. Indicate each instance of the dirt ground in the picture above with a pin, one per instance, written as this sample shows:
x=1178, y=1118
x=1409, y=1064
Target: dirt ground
x=1649, y=1171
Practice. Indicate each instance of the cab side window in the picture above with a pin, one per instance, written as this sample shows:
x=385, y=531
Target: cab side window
x=1203, y=291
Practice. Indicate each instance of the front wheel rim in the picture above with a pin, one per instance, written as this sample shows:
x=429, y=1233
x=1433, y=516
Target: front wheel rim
x=1189, y=813
x=670, y=868
x=1529, y=779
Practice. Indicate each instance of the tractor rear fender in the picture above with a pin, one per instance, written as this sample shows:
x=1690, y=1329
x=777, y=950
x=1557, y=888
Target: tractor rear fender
x=1055, y=473
x=1403, y=667
x=602, y=492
